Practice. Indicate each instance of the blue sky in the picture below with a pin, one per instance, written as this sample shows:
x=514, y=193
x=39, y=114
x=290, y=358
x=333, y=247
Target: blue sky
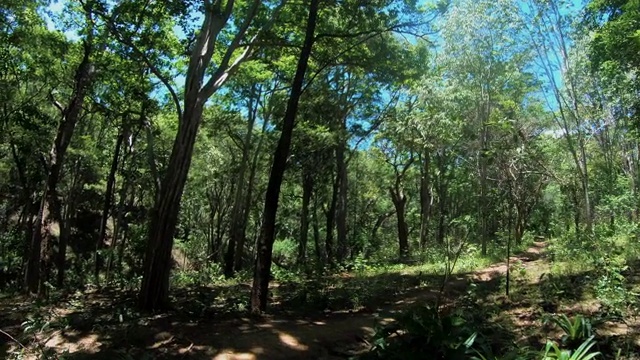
x=57, y=8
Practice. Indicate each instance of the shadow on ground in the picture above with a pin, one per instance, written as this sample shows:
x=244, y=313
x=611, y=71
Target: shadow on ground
x=313, y=321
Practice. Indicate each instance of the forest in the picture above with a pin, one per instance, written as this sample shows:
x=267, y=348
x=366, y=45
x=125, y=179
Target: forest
x=320, y=179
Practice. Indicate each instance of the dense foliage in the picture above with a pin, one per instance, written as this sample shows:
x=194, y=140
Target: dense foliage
x=161, y=146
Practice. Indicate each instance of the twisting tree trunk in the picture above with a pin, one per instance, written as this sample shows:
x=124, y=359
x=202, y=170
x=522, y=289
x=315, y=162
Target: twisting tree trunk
x=262, y=271
x=38, y=266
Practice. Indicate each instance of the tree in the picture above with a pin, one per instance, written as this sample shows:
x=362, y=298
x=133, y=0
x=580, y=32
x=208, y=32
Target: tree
x=27, y=119
x=262, y=270
x=400, y=159
x=206, y=45
x=550, y=36
x=488, y=73
x=50, y=207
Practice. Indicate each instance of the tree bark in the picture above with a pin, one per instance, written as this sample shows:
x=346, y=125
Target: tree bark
x=259, y=293
x=154, y=293
x=119, y=211
x=400, y=201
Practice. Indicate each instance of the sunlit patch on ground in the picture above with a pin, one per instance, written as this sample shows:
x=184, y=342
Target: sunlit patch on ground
x=86, y=343
x=291, y=342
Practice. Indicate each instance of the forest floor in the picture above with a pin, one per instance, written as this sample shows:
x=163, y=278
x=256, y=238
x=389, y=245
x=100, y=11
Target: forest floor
x=104, y=326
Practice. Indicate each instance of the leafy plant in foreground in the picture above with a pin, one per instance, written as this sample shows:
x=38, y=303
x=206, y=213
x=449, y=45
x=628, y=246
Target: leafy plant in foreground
x=577, y=330
x=423, y=330
x=553, y=352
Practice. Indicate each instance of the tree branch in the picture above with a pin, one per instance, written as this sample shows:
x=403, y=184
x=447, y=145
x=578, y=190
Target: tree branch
x=154, y=69
x=370, y=35
x=224, y=69
x=56, y=103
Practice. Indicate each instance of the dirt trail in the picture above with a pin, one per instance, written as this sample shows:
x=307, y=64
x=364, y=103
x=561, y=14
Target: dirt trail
x=335, y=335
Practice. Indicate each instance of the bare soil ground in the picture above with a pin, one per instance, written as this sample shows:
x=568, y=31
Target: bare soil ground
x=315, y=335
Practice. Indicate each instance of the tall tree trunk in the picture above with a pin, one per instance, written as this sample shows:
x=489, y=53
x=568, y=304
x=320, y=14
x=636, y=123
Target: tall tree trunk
x=482, y=199
x=400, y=201
x=330, y=222
x=307, y=191
x=29, y=211
x=262, y=273
x=65, y=224
x=316, y=232
x=213, y=210
x=112, y=247
x=106, y=206
x=425, y=198
x=341, y=205
x=118, y=218
x=63, y=241
x=585, y=188
x=236, y=232
x=249, y=196
x=154, y=293
x=124, y=222
x=442, y=188
x=576, y=213
x=211, y=254
x=519, y=226
x=41, y=241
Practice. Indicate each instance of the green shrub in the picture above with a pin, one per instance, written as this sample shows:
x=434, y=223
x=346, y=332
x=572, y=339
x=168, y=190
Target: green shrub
x=610, y=287
x=576, y=331
x=553, y=352
x=423, y=330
